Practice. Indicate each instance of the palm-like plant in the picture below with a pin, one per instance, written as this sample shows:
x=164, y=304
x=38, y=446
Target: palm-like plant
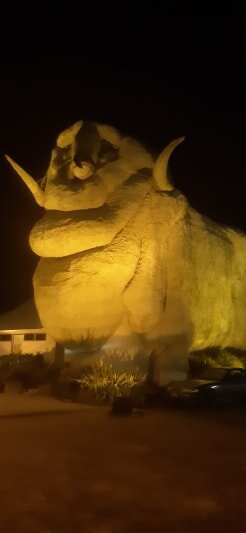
x=106, y=383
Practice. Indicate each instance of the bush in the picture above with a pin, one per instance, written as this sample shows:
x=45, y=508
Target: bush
x=215, y=357
x=105, y=383
x=226, y=359
x=30, y=370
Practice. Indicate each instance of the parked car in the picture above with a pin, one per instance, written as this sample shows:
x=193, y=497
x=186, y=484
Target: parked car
x=215, y=386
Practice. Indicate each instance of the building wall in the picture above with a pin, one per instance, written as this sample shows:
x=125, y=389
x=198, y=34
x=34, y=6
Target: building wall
x=19, y=345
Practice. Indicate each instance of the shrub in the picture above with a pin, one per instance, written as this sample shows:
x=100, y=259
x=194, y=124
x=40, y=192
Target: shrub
x=105, y=383
x=214, y=357
x=30, y=370
x=226, y=360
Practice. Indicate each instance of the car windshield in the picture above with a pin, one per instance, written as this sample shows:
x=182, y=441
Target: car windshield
x=213, y=373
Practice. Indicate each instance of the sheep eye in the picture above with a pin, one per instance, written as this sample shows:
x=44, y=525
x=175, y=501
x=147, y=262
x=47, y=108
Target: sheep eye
x=108, y=152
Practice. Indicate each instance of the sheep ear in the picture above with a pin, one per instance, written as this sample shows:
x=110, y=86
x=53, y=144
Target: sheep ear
x=67, y=137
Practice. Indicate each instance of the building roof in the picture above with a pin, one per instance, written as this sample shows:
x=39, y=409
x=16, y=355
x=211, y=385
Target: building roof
x=23, y=317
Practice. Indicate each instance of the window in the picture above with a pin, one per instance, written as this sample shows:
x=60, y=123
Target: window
x=237, y=373
x=5, y=337
x=29, y=337
x=40, y=336
x=214, y=374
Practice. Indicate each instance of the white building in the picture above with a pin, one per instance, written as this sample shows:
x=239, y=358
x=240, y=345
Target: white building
x=21, y=332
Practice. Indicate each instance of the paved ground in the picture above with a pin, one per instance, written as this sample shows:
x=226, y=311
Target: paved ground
x=25, y=404
x=167, y=471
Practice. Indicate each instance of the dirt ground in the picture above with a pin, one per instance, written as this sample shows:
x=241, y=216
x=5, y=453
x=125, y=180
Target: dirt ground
x=164, y=471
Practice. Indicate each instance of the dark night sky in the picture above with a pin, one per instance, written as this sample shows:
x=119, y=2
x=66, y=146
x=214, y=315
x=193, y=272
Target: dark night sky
x=193, y=84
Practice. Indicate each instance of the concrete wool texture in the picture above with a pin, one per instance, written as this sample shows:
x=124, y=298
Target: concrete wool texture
x=122, y=258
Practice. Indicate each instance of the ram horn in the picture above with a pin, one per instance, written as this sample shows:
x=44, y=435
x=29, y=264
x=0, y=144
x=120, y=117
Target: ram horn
x=29, y=181
x=160, y=171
